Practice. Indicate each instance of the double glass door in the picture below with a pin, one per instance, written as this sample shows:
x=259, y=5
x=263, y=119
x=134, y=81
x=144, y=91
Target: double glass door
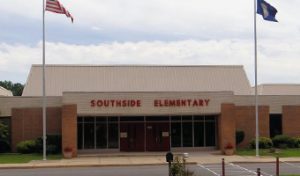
x=98, y=133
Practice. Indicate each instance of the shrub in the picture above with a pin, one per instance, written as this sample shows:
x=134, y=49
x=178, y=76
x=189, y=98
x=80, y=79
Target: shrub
x=239, y=136
x=283, y=141
x=264, y=143
x=178, y=168
x=53, y=144
x=297, y=142
x=28, y=146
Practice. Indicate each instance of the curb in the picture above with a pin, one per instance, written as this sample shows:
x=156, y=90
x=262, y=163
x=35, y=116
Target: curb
x=87, y=165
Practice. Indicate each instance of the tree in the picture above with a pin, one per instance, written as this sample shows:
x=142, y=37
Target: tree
x=4, y=138
x=15, y=88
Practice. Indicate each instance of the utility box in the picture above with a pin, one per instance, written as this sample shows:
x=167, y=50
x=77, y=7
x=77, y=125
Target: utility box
x=169, y=157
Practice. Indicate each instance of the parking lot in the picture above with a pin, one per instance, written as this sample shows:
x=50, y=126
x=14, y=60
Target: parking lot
x=248, y=169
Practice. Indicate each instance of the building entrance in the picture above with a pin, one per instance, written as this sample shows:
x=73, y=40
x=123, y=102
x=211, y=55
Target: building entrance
x=157, y=138
x=146, y=133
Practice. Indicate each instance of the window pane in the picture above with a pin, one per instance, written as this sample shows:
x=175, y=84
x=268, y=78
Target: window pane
x=187, y=134
x=101, y=130
x=89, y=141
x=89, y=119
x=176, y=118
x=186, y=118
x=101, y=119
x=210, y=118
x=157, y=118
x=198, y=118
x=134, y=118
x=113, y=119
x=210, y=132
x=199, y=134
x=275, y=125
x=176, y=134
x=80, y=119
x=113, y=138
x=79, y=135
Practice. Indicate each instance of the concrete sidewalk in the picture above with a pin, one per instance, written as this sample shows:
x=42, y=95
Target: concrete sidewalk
x=131, y=159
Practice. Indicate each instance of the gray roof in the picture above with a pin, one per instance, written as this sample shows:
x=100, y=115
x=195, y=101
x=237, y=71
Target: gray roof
x=5, y=92
x=277, y=89
x=126, y=78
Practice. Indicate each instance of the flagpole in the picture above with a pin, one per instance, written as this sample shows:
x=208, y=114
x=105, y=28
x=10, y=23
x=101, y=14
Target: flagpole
x=256, y=97
x=44, y=88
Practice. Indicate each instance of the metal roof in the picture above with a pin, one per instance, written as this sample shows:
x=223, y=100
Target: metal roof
x=277, y=89
x=136, y=78
x=5, y=92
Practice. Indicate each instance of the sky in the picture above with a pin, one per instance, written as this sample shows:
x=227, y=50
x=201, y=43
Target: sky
x=156, y=32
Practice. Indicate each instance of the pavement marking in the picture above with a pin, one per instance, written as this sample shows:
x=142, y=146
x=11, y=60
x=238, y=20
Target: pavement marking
x=230, y=169
x=242, y=168
x=290, y=164
x=208, y=169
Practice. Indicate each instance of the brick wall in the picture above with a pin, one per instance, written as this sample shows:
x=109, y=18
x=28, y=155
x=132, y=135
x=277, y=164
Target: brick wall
x=291, y=120
x=245, y=121
x=226, y=123
x=69, y=127
x=27, y=123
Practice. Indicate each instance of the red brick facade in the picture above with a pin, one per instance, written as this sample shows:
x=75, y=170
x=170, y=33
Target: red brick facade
x=245, y=121
x=291, y=120
x=226, y=123
x=26, y=123
x=69, y=128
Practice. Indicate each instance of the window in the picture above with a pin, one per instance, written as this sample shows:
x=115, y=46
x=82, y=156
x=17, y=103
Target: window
x=275, y=125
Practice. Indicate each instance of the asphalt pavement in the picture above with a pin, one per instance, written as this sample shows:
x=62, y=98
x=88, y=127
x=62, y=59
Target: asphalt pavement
x=231, y=169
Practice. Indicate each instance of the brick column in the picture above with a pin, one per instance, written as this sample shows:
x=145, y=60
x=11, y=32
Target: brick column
x=245, y=121
x=291, y=120
x=69, y=127
x=227, y=127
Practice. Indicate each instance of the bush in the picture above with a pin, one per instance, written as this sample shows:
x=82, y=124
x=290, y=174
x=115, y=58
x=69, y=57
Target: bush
x=297, y=142
x=239, y=136
x=177, y=168
x=53, y=144
x=28, y=146
x=283, y=141
x=264, y=143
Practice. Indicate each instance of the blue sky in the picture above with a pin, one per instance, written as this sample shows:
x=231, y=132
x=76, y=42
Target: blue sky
x=164, y=32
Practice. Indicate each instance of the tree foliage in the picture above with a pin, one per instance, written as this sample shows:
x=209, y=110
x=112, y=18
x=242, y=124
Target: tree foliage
x=4, y=138
x=16, y=88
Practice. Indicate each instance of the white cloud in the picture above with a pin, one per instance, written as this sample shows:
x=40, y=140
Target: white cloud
x=278, y=67
x=209, y=32
x=197, y=18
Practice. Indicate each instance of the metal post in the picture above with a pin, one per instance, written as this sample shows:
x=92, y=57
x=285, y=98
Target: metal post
x=44, y=88
x=258, y=171
x=277, y=166
x=223, y=167
x=256, y=98
x=170, y=173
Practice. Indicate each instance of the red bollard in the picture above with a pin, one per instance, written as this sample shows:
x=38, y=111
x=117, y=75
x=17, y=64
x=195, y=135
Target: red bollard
x=277, y=166
x=223, y=167
x=258, y=171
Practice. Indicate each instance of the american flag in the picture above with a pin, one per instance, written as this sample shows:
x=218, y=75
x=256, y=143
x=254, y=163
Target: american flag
x=56, y=7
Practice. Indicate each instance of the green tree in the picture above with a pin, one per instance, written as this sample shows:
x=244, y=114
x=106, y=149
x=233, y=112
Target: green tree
x=16, y=88
x=4, y=137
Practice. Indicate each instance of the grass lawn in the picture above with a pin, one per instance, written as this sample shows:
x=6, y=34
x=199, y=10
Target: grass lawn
x=6, y=158
x=267, y=152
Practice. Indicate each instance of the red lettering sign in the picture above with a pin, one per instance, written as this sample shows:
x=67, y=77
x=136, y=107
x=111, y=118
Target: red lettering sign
x=115, y=103
x=181, y=103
